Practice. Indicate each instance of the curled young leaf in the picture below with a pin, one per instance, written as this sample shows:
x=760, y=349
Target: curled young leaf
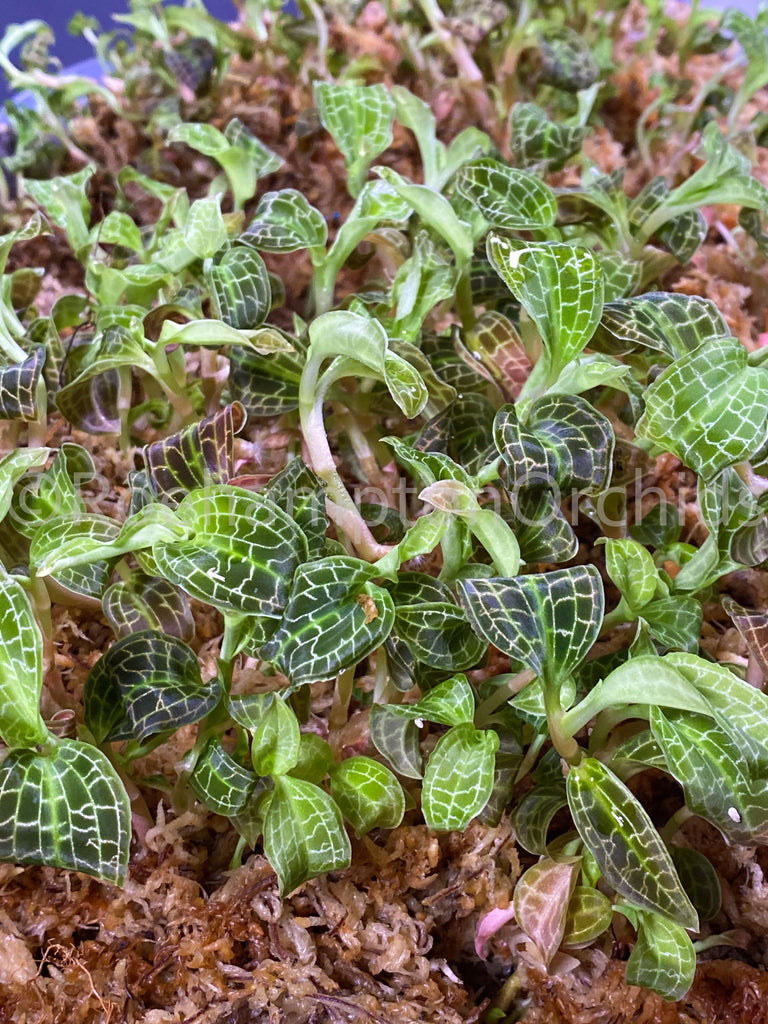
x=367, y=794
x=223, y=785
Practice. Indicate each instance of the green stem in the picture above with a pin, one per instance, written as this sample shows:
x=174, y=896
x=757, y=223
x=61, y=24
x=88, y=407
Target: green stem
x=562, y=738
x=504, y=692
x=340, y=506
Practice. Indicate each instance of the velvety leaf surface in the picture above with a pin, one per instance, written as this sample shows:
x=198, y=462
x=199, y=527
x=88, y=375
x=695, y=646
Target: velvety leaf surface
x=65, y=809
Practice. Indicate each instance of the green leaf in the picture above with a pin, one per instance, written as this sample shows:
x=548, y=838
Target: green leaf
x=641, y=680
x=566, y=60
x=434, y=210
x=663, y=958
x=533, y=815
x=241, y=295
x=301, y=494
x=303, y=833
x=459, y=777
x=545, y=621
x=66, y=809
x=534, y=140
x=21, y=668
x=542, y=530
x=315, y=759
x=617, y=831
x=276, y=738
x=710, y=408
x=118, y=228
x=333, y=619
x=717, y=781
x=633, y=571
x=42, y=497
x=508, y=198
x=561, y=288
x=741, y=709
x=564, y=443
x=283, y=222
x=224, y=786
x=65, y=200
x=363, y=341
x=265, y=385
x=18, y=387
x=204, y=229
x=147, y=683
x=243, y=553
x=723, y=178
x=700, y=880
x=200, y=455
x=240, y=153
x=148, y=602
x=451, y=702
x=541, y=900
x=367, y=794
x=589, y=914
x=13, y=467
x=359, y=118
x=397, y=739
x=432, y=625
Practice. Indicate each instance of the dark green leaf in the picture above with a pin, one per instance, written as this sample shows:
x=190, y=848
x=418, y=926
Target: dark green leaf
x=334, y=618
x=148, y=602
x=242, y=556
x=224, y=786
x=545, y=621
x=146, y=683
x=65, y=809
x=240, y=291
x=200, y=455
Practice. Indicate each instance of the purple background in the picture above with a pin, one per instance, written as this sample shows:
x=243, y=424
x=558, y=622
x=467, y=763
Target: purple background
x=57, y=13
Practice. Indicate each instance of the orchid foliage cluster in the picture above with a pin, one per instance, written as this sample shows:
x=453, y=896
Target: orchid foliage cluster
x=513, y=351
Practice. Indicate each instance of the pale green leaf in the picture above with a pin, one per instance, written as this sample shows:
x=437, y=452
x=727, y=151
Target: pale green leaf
x=710, y=408
x=459, y=777
x=367, y=794
x=359, y=118
x=21, y=667
x=561, y=288
x=303, y=833
x=508, y=198
x=663, y=958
